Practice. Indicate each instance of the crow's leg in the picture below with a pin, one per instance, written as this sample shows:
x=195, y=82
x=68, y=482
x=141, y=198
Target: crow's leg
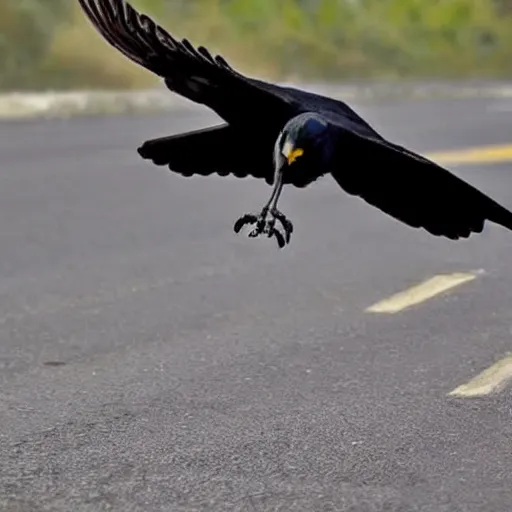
x=264, y=226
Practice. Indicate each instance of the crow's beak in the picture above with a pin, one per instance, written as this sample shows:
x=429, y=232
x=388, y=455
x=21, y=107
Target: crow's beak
x=294, y=155
x=291, y=153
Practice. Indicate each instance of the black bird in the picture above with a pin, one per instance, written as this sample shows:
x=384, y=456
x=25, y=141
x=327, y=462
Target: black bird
x=288, y=136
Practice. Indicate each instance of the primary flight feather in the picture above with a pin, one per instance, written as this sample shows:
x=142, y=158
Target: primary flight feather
x=287, y=136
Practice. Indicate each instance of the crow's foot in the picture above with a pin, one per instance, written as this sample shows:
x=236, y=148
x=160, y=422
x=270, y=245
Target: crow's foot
x=267, y=227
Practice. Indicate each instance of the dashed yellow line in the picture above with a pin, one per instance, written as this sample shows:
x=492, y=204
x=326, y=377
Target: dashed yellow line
x=421, y=292
x=475, y=155
x=491, y=380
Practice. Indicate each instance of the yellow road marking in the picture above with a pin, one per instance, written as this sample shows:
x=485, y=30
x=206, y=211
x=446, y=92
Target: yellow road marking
x=475, y=155
x=421, y=292
x=491, y=380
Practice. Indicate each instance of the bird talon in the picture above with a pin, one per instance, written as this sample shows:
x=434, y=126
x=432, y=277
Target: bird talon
x=270, y=228
x=266, y=227
x=287, y=225
x=279, y=237
x=248, y=218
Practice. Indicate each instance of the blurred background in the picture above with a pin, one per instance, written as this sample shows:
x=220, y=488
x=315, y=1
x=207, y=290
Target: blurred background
x=48, y=44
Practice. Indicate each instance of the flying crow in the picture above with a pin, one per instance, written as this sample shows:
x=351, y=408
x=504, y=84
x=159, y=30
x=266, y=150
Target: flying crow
x=287, y=136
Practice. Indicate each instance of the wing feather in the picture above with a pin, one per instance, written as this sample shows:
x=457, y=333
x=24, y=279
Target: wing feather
x=218, y=150
x=412, y=189
x=191, y=72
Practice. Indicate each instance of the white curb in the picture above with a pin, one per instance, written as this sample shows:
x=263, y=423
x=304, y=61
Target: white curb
x=66, y=104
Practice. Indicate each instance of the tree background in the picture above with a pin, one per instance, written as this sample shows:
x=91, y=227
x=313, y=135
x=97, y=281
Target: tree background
x=49, y=44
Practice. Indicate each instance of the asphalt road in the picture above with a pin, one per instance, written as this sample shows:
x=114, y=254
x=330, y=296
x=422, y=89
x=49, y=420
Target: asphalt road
x=152, y=360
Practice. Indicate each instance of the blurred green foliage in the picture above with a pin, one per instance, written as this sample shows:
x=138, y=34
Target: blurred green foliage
x=27, y=28
x=49, y=43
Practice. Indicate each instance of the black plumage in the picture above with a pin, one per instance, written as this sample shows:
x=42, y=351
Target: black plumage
x=288, y=136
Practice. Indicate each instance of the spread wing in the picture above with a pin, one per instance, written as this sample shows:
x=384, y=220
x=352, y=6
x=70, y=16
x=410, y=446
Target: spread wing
x=411, y=188
x=221, y=150
x=191, y=72
x=197, y=75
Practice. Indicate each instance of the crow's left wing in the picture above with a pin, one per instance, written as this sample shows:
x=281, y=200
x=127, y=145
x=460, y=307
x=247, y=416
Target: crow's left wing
x=411, y=188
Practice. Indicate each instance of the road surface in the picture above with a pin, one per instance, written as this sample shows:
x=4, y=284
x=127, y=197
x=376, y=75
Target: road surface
x=152, y=360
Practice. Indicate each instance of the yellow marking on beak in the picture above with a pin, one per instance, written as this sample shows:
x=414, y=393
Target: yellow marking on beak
x=294, y=154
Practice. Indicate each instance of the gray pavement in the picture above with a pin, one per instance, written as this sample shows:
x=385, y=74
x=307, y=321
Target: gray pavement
x=152, y=360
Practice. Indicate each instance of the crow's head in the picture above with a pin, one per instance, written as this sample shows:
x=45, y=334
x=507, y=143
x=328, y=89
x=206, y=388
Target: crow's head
x=301, y=141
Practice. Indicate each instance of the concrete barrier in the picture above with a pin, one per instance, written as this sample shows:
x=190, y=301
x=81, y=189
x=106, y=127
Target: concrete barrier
x=67, y=104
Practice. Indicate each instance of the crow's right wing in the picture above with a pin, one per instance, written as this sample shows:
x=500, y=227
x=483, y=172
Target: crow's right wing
x=220, y=150
x=191, y=72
